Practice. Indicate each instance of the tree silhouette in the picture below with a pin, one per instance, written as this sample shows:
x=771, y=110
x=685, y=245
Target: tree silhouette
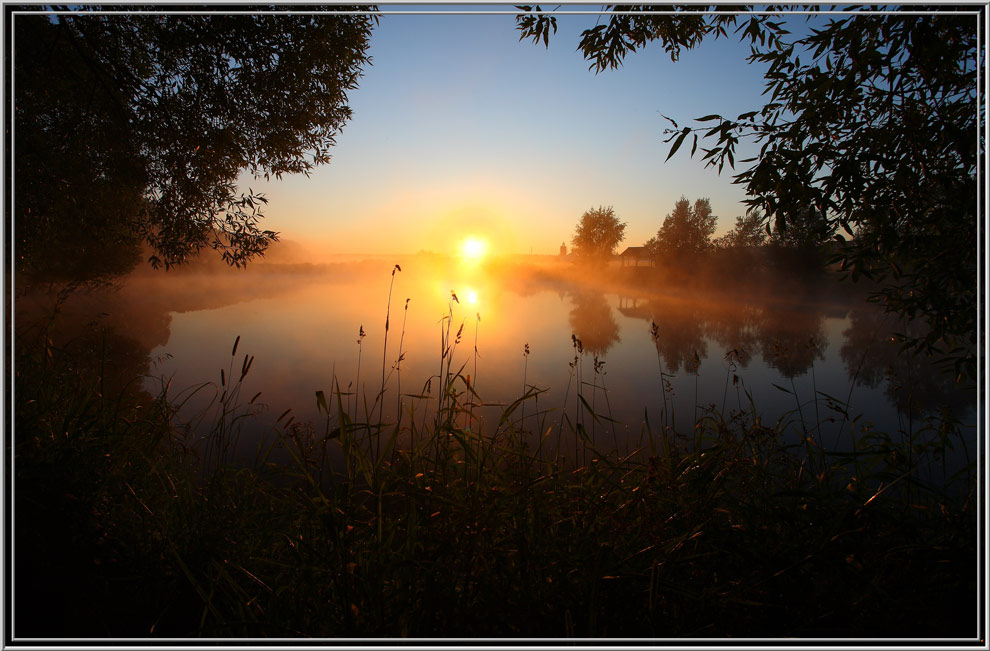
x=685, y=231
x=597, y=234
x=131, y=127
x=804, y=229
x=869, y=120
x=747, y=232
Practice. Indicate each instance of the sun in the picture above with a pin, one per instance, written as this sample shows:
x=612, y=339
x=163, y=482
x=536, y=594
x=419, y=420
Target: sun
x=473, y=249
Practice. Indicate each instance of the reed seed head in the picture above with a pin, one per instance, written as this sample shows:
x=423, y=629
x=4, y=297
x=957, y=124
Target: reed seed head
x=246, y=365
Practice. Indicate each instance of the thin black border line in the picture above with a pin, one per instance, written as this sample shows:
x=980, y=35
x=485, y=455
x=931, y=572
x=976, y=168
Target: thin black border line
x=451, y=12
x=7, y=596
x=522, y=643
x=466, y=11
x=981, y=505
x=8, y=538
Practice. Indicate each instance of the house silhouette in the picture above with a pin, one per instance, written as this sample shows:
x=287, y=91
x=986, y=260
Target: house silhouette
x=634, y=255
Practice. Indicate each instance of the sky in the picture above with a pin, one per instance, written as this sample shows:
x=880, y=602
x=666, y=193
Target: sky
x=460, y=129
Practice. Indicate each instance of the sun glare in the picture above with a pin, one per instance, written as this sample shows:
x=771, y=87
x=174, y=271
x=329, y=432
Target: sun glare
x=473, y=249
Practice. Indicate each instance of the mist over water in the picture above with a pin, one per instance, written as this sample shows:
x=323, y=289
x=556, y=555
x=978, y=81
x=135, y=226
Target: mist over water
x=721, y=345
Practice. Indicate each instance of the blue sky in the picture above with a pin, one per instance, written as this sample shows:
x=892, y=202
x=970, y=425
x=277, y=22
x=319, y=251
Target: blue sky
x=460, y=128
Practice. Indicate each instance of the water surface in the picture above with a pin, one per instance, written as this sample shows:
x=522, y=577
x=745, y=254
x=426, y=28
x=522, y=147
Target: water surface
x=643, y=354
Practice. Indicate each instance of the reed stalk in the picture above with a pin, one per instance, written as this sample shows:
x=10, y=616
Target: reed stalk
x=357, y=381
x=398, y=367
x=522, y=419
x=381, y=405
x=655, y=333
x=473, y=378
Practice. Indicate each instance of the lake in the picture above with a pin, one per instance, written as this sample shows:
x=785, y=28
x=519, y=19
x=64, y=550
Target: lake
x=642, y=353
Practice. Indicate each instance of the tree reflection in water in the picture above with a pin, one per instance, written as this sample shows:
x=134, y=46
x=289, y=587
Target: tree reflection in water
x=792, y=339
x=681, y=335
x=913, y=382
x=734, y=327
x=592, y=321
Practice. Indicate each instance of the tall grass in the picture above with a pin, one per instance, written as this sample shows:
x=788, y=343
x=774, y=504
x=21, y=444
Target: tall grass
x=464, y=524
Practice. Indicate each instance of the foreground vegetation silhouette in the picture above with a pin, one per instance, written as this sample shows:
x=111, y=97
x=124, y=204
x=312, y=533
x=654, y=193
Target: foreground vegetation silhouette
x=439, y=522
